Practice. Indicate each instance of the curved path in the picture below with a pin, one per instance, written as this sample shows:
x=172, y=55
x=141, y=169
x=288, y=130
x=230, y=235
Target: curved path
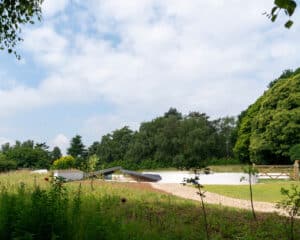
x=213, y=198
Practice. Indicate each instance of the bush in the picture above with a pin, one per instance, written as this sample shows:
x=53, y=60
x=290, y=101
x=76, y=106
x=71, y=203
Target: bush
x=6, y=164
x=65, y=162
x=295, y=152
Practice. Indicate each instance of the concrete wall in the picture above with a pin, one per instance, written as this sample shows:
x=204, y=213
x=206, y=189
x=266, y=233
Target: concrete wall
x=213, y=178
x=69, y=175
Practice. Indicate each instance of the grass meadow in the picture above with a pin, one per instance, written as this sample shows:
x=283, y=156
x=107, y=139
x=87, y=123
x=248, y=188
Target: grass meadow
x=35, y=207
x=265, y=191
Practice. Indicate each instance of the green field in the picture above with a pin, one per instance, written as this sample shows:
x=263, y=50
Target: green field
x=33, y=208
x=267, y=191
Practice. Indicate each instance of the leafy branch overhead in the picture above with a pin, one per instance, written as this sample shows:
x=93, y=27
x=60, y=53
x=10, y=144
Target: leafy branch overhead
x=13, y=14
x=288, y=7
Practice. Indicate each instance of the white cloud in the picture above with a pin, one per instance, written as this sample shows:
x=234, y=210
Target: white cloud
x=99, y=125
x=47, y=46
x=210, y=56
x=61, y=141
x=52, y=7
x=18, y=99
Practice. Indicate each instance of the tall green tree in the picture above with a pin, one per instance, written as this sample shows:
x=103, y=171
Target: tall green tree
x=271, y=126
x=56, y=153
x=114, y=146
x=93, y=149
x=78, y=151
x=225, y=129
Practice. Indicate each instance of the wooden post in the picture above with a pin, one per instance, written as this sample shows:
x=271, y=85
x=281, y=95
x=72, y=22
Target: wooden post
x=296, y=170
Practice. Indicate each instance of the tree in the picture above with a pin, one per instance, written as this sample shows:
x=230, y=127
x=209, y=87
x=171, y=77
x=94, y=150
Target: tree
x=93, y=149
x=92, y=163
x=114, y=146
x=225, y=136
x=77, y=148
x=43, y=155
x=65, y=162
x=78, y=151
x=288, y=7
x=271, y=126
x=173, y=112
x=6, y=164
x=14, y=14
x=56, y=153
x=291, y=204
x=5, y=147
x=171, y=140
x=251, y=171
x=295, y=152
x=196, y=182
x=28, y=154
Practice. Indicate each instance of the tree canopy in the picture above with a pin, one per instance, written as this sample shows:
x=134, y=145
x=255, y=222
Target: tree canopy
x=14, y=14
x=271, y=126
x=27, y=154
x=172, y=140
x=78, y=151
x=287, y=6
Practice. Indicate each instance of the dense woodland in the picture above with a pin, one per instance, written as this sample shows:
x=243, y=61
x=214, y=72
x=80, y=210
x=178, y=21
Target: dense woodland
x=268, y=132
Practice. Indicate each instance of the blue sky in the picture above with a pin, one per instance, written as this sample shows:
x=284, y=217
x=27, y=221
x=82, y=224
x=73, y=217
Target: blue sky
x=93, y=66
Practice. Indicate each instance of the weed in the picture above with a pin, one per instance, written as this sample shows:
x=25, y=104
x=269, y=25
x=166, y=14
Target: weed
x=291, y=204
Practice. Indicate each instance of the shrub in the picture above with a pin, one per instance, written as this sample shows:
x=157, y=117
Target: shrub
x=295, y=152
x=6, y=164
x=291, y=204
x=65, y=162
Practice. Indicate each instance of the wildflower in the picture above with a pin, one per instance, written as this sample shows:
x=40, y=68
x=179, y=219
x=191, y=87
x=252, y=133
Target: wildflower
x=123, y=200
x=46, y=179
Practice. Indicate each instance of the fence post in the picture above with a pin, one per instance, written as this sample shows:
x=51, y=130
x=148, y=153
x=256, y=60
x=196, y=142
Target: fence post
x=296, y=170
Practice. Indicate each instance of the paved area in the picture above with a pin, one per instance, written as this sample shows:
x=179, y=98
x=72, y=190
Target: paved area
x=213, y=198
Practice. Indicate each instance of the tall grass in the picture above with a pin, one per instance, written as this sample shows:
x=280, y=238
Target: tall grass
x=32, y=208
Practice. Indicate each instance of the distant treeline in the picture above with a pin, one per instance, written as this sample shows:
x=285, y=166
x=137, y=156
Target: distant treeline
x=171, y=140
x=27, y=154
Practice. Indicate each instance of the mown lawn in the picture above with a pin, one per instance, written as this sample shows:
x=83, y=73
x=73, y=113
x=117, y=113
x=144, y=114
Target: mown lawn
x=33, y=208
x=266, y=191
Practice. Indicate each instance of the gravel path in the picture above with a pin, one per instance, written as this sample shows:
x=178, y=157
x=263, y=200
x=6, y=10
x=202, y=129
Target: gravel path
x=213, y=198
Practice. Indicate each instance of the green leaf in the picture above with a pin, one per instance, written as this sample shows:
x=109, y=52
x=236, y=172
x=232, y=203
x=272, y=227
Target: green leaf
x=288, y=24
x=281, y=3
x=288, y=5
x=273, y=18
x=274, y=10
x=291, y=7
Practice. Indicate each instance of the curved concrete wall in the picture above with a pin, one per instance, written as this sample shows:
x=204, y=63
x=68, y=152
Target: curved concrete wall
x=212, y=178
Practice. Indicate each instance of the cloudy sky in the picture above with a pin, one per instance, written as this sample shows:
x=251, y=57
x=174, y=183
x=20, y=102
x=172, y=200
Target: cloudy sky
x=93, y=66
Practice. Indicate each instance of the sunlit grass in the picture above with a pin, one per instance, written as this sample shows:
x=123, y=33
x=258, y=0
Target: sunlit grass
x=267, y=191
x=114, y=211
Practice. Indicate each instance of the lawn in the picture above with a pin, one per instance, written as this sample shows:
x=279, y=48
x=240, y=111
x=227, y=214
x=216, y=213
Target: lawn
x=31, y=207
x=266, y=191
